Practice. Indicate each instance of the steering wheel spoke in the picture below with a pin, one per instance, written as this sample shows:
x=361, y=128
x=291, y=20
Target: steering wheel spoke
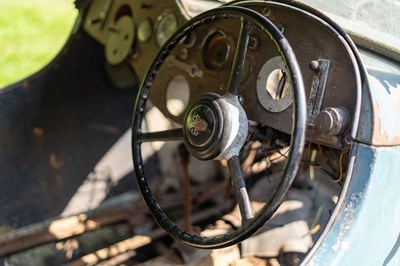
x=166, y=135
x=240, y=56
x=215, y=127
x=239, y=186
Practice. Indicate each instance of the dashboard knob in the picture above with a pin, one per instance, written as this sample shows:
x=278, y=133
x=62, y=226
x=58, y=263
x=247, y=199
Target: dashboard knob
x=333, y=121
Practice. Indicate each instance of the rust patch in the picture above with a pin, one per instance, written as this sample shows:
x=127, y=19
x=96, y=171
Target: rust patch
x=379, y=135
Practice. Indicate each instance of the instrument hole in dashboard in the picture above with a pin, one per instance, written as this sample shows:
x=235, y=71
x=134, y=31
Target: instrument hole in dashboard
x=276, y=84
x=177, y=95
x=215, y=50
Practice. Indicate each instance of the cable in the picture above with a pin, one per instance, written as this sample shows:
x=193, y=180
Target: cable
x=340, y=169
x=313, y=157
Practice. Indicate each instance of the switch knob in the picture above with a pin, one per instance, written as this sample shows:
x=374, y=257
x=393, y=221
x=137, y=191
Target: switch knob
x=333, y=121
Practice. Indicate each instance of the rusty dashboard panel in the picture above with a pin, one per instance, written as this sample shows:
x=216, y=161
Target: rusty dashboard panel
x=202, y=62
x=133, y=31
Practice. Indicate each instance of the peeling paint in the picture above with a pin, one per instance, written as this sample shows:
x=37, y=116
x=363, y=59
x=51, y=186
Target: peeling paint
x=379, y=133
x=366, y=228
x=385, y=89
x=349, y=211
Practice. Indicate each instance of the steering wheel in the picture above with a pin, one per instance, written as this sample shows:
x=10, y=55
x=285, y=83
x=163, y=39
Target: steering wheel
x=216, y=127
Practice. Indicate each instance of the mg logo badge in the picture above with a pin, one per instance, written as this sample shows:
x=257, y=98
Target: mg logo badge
x=198, y=125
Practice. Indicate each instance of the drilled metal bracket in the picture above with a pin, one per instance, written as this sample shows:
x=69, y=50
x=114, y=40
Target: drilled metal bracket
x=320, y=78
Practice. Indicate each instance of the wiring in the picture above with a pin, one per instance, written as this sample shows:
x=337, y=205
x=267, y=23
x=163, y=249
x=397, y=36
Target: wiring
x=313, y=157
x=340, y=168
x=312, y=154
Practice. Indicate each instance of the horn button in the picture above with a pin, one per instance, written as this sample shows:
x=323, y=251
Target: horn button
x=214, y=126
x=202, y=125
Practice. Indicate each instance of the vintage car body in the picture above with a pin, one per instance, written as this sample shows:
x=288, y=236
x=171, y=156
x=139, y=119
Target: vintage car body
x=65, y=131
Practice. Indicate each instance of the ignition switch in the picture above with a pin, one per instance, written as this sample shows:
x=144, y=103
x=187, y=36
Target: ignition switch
x=333, y=121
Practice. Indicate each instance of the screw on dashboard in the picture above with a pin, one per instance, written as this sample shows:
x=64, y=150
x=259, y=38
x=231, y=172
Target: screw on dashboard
x=314, y=66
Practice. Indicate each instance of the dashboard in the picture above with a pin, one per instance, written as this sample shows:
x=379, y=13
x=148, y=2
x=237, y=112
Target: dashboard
x=134, y=31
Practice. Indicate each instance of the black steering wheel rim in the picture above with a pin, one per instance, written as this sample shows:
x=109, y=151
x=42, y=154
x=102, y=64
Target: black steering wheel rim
x=297, y=140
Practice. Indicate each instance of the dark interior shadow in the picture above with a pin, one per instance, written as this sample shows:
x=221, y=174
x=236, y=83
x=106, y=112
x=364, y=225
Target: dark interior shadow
x=55, y=127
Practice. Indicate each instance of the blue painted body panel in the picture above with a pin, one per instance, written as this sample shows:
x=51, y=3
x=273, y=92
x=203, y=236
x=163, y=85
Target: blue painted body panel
x=367, y=228
x=379, y=121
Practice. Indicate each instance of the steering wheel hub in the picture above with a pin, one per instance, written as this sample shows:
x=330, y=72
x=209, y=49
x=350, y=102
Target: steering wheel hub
x=205, y=125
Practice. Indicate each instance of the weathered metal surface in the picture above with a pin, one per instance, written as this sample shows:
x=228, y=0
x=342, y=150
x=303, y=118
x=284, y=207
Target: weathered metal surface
x=333, y=121
x=367, y=228
x=103, y=14
x=386, y=95
x=317, y=90
x=379, y=123
x=341, y=86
